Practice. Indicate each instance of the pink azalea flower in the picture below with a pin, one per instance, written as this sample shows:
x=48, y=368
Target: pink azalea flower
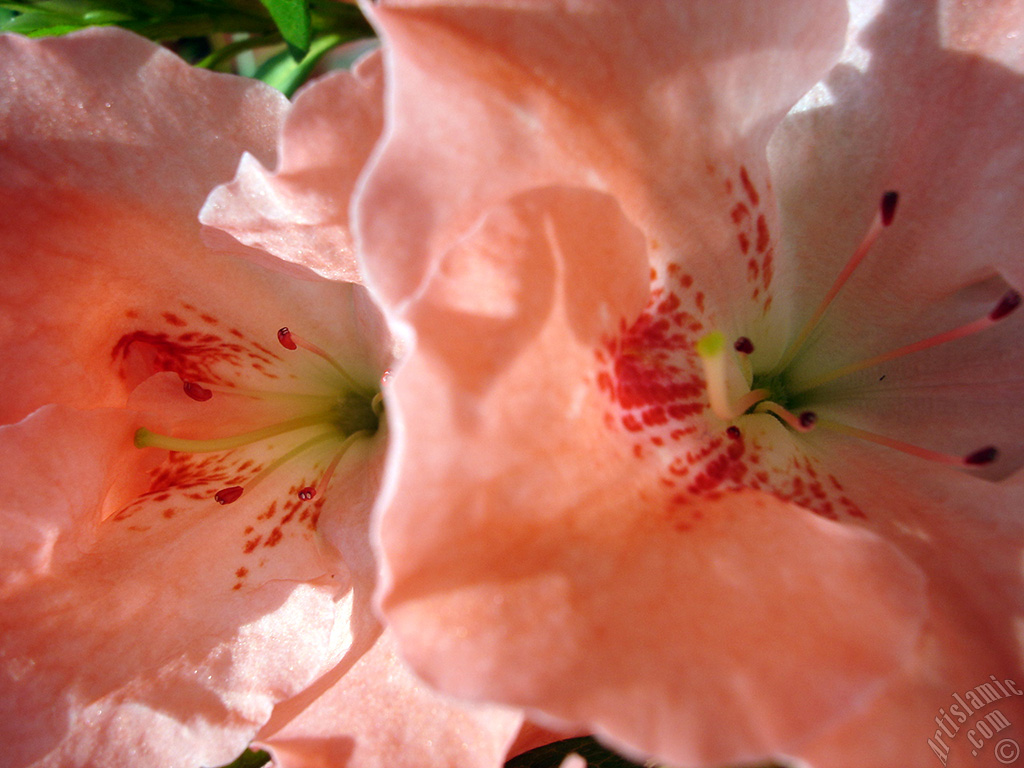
x=653, y=477
x=149, y=376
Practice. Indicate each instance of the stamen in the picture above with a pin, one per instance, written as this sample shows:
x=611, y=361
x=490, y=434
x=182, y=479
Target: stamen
x=712, y=351
x=977, y=458
x=196, y=391
x=309, y=491
x=1007, y=304
x=285, y=337
x=744, y=348
x=290, y=340
x=803, y=423
x=262, y=394
x=884, y=217
x=235, y=491
x=228, y=495
x=144, y=438
x=982, y=456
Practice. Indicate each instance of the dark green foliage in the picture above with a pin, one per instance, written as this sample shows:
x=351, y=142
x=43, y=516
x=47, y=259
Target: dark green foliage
x=304, y=30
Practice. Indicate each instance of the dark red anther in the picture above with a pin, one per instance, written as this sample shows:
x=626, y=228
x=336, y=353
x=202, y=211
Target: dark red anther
x=196, y=391
x=743, y=345
x=1006, y=305
x=285, y=337
x=888, y=207
x=982, y=456
x=734, y=433
x=307, y=493
x=808, y=419
x=228, y=495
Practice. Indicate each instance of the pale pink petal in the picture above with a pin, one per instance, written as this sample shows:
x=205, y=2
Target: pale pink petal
x=501, y=549
x=299, y=212
x=903, y=114
x=141, y=620
x=89, y=111
x=919, y=106
x=100, y=196
x=957, y=704
x=653, y=103
x=157, y=631
x=379, y=715
x=39, y=455
x=532, y=489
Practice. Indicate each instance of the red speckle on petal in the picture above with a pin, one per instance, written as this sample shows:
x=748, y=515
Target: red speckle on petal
x=763, y=238
x=273, y=538
x=748, y=186
x=196, y=353
x=657, y=401
x=307, y=493
x=251, y=544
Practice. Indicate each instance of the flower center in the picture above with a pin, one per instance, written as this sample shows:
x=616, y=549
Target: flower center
x=324, y=422
x=734, y=389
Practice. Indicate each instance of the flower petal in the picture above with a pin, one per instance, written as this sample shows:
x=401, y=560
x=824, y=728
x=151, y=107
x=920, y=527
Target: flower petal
x=951, y=705
x=100, y=198
x=380, y=716
x=300, y=211
x=497, y=98
x=113, y=643
x=141, y=619
x=919, y=106
x=97, y=103
x=533, y=530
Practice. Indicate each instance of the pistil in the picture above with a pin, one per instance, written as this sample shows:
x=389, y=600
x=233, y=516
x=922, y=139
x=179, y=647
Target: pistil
x=144, y=438
x=724, y=377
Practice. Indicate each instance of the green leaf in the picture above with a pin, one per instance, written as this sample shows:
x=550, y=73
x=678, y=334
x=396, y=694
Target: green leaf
x=286, y=74
x=55, y=31
x=40, y=24
x=293, y=19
